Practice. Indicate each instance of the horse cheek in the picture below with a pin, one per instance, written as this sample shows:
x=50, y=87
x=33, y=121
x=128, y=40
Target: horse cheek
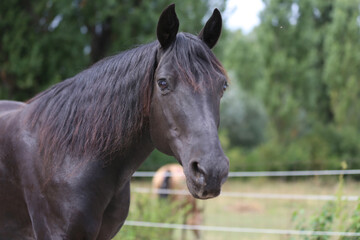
x=158, y=132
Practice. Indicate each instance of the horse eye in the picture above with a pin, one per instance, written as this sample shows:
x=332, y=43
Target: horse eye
x=225, y=86
x=162, y=83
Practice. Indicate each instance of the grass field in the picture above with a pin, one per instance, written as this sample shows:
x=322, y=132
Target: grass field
x=262, y=213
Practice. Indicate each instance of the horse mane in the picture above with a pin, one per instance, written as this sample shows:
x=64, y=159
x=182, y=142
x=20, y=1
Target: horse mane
x=103, y=109
x=100, y=110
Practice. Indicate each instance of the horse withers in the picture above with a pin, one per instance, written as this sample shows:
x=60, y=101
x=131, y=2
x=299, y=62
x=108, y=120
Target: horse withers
x=67, y=155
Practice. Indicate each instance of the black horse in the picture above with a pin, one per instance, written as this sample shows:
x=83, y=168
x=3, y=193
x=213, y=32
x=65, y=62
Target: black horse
x=67, y=155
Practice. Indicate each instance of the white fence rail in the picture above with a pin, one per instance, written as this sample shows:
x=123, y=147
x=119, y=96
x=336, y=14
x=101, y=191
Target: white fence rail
x=273, y=173
x=239, y=230
x=251, y=195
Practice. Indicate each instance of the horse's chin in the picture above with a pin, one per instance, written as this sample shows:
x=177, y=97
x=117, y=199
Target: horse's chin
x=199, y=192
x=203, y=197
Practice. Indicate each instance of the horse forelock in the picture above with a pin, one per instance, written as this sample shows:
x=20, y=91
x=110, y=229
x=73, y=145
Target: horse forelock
x=195, y=62
x=101, y=110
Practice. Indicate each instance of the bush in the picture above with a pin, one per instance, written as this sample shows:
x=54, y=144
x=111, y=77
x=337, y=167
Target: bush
x=333, y=217
x=150, y=209
x=322, y=147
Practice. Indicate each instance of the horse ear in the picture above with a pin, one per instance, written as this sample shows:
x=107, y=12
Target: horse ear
x=168, y=26
x=212, y=29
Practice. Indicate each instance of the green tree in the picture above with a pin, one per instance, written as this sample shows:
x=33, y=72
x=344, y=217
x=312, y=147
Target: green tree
x=244, y=61
x=342, y=75
x=36, y=51
x=291, y=38
x=302, y=63
x=342, y=68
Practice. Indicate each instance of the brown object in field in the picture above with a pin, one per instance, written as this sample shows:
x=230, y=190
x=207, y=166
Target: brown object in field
x=171, y=177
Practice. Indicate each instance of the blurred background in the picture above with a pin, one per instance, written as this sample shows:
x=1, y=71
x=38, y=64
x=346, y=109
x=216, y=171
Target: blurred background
x=294, y=98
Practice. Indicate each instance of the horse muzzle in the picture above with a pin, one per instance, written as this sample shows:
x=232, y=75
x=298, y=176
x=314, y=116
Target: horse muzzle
x=204, y=180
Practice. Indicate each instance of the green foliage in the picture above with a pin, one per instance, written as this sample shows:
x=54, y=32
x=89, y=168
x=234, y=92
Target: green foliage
x=324, y=147
x=354, y=225
x=151, y=209
x=301, y=65
x=290, y=40
x=243, y=59
x=333, y=217
x=342, y=68
x=35, y=54
x=243, y=117
x=321, y=222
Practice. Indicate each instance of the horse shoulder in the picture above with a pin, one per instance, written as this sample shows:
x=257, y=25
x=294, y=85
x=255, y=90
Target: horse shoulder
x=77, y=198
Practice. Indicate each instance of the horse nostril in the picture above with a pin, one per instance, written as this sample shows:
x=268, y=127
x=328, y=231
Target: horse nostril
x=198, y=171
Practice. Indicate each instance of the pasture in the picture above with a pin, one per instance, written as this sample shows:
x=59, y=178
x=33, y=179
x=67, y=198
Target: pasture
x=258, y=213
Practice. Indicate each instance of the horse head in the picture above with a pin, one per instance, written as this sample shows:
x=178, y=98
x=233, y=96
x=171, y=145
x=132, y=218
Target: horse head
x=184, y=114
